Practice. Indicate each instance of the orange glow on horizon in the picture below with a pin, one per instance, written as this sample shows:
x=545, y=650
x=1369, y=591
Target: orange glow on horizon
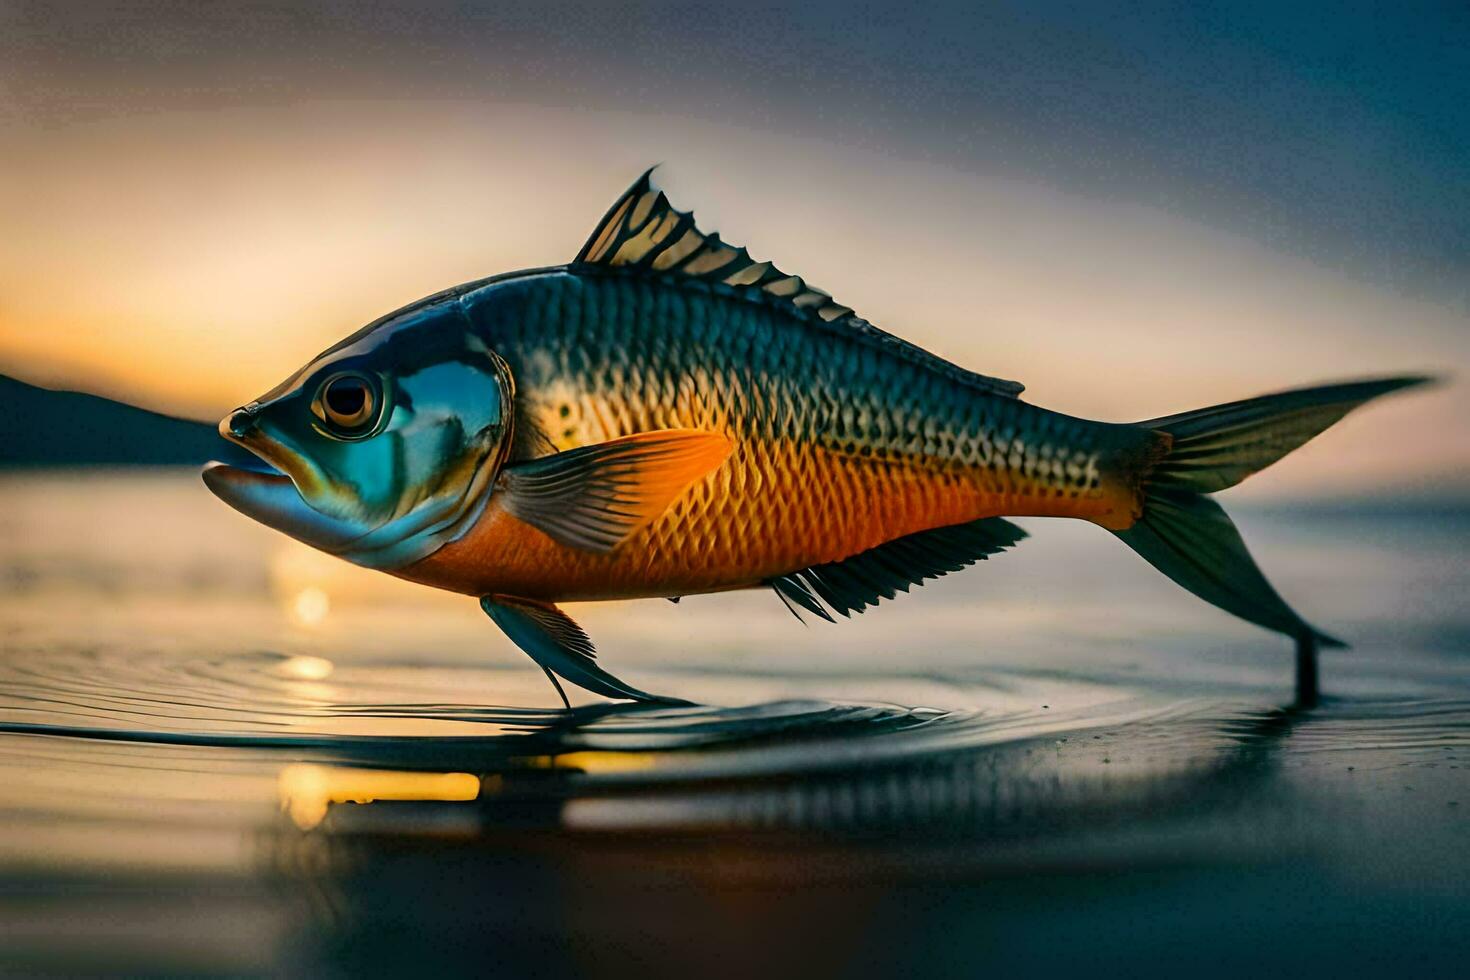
x=215, y=252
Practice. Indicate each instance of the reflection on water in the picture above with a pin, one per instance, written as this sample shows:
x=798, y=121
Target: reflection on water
x=307, y=791
x=243, y=759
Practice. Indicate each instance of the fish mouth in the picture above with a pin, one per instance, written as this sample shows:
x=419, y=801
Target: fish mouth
x=265, y=494
x=270, y=493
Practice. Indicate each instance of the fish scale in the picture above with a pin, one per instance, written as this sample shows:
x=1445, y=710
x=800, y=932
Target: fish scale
x=838, y=447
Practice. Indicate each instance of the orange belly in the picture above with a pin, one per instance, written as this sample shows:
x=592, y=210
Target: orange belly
x=770, y=509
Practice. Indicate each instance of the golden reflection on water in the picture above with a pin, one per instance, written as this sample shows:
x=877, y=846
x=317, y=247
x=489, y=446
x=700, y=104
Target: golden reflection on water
x=597, y=762
x=309, y=607
x=309, y=585
x=307, y=791
x=302, y=668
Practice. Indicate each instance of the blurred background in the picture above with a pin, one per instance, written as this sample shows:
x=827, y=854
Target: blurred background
x=1133, y=210
x=1133, y=214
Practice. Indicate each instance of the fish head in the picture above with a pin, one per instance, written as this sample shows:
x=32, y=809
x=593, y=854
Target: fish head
x=382, y=448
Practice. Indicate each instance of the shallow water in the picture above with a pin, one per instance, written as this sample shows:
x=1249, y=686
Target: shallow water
x=223, y=753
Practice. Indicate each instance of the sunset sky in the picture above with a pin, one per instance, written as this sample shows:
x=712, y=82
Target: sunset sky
x=1133, y=216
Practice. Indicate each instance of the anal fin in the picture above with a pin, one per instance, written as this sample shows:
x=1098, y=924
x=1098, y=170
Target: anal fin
x=853, y=584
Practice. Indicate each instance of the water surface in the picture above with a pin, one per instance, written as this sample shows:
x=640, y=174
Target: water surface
x=220, y=752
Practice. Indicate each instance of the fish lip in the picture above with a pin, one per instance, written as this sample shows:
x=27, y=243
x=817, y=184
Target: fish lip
x=255, y=464
x=267, y=495
x=218, y=473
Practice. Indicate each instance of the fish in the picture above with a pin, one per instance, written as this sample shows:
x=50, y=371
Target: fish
x=665, y=415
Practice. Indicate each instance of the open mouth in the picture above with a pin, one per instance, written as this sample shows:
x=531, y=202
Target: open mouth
x=265, y=494
x=235, y=476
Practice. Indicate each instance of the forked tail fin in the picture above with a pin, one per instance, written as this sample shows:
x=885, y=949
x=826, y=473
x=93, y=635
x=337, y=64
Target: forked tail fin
x=1189, y=537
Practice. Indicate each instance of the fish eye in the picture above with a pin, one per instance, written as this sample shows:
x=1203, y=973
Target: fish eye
x=349, y=403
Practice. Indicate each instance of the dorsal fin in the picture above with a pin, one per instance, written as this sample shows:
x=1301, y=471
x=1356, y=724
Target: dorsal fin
x=853, y=584
x=642, y=232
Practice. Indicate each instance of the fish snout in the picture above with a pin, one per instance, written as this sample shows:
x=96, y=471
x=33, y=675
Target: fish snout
x=238, y=423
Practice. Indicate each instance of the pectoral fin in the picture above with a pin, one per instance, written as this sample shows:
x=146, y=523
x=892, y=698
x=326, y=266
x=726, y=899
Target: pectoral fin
x=550, y=637
x=595, y=496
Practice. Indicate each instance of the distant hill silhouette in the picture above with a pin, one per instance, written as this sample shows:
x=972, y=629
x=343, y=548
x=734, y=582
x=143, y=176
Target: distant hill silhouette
x=41, y=427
